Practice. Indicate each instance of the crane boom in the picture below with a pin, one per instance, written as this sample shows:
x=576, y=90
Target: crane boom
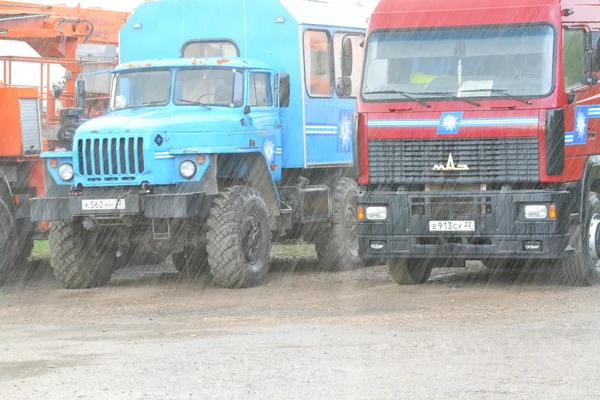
x=55, y=30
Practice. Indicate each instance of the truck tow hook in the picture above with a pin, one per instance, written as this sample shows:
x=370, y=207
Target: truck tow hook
x=89, y=223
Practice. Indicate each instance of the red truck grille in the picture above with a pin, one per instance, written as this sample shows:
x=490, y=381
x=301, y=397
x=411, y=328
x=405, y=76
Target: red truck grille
x=497, y=160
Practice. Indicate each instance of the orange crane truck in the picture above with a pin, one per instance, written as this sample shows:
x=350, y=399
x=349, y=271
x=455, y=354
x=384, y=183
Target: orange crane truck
x=39, y=117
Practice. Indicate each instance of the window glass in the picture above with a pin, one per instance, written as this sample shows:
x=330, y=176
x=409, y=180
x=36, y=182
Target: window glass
x=260, y=90
x=357, y=54
x=203, y=49
x=465, y=62
x=209, y=86
x=573, y=56
x=142, y=89
x=317, y=63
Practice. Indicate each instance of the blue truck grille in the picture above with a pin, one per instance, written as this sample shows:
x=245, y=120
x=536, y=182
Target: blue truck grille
x=110, y=159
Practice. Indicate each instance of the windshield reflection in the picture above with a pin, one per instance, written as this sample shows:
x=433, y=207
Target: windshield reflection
x=473, y=62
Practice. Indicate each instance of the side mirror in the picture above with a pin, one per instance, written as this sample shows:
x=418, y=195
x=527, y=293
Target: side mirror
x=247, y=110
x=347, y=56
x=589, y=80
x=343, y=86
x=80, y=97
x=284, y=90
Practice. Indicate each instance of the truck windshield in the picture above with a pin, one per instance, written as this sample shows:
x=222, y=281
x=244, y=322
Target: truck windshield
x=209, y=87
x=495, y=62
x=141, y=89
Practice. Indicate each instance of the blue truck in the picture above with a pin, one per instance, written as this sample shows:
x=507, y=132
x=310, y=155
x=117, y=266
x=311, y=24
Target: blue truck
x=229, y=127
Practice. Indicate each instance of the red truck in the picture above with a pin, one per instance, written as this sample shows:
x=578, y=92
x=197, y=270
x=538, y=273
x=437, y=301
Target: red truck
x=476, y=136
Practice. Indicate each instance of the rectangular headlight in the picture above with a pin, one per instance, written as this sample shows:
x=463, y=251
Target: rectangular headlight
x=536, y=212
x=376, y=213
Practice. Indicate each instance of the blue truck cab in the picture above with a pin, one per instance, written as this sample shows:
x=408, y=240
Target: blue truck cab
x=230, y=125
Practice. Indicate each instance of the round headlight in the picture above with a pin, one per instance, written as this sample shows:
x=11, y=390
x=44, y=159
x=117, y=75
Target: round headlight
x=65, y=172
x=187, y=169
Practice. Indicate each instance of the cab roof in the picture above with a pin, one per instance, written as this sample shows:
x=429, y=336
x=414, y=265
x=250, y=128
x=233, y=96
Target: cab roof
x=193, y=62
x=394, y=14
x=387, y=6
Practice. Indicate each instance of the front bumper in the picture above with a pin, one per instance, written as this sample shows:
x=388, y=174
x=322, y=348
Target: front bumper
x=501, y=231
x=176, y=205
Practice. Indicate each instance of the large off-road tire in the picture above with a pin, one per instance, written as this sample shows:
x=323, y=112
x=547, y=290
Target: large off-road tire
x=192, y=261
x=337, y=246
x=81, y=259
x=7, y=241
x=239, y=238
x=410, y=272
x=583, y=268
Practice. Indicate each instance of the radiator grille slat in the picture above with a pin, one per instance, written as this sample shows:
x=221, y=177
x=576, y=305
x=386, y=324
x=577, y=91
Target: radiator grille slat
x=496, y=160
x=110, y=158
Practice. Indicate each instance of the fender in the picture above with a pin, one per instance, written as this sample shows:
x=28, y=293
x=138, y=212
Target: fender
x=252, y=160
x=589, y=182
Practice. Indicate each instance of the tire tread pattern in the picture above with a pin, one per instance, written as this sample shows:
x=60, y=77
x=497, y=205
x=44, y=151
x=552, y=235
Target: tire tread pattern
x=332, y=250
x=69, y=258
x=225, y=256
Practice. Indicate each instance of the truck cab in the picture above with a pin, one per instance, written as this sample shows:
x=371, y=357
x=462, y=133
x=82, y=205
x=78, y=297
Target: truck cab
x=476, y=136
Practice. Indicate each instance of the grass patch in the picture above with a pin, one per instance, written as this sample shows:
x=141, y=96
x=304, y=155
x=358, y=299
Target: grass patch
x=293, y=250
x=41, y=249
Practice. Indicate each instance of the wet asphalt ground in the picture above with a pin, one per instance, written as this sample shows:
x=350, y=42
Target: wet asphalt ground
x=468, y=333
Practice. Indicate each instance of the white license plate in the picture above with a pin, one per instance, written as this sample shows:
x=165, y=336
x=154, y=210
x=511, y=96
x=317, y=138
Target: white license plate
x=106, y=204
x=451, y=226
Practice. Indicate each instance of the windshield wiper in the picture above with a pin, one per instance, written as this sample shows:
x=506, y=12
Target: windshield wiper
x=148, y=104
x=400, y=92
x=502, y=92
x=195, y=103
x=153, y=103
x=451, y=96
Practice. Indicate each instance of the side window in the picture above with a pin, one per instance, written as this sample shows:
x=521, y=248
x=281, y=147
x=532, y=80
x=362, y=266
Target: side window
x=573, y=56
x=596, y=47
x=353, y=56
x=317, y=63
x=212, y=48
x=260, y=90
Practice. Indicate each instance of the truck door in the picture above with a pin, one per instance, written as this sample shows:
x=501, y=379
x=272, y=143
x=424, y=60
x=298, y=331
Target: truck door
x=265, y=118
x=582, y=117
x=332, y=61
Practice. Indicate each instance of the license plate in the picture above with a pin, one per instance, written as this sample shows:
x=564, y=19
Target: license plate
x=106, y=204
x=451, y=226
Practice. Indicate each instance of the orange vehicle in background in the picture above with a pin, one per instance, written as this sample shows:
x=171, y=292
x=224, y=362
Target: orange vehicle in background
x=44, y=116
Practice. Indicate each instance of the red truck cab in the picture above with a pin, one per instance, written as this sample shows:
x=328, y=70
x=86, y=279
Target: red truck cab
x=476, y=136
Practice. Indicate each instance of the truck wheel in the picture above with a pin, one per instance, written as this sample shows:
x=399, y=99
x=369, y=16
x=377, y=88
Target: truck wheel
x=583, y=269
x=195, y=260
x=81, y=259
x=410, y=272
x=337, y=246
x=7, y=232
x=239, y=238
x=66, y=133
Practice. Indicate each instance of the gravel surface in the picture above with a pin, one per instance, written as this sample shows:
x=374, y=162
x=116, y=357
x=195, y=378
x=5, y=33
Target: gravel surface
x=469, y=333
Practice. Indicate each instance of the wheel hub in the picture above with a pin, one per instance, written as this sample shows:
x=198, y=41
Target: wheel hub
x=350, y=222
x=251, y=238
x=594, y=242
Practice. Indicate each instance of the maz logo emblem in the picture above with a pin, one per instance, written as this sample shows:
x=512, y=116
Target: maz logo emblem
x=450, y=166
